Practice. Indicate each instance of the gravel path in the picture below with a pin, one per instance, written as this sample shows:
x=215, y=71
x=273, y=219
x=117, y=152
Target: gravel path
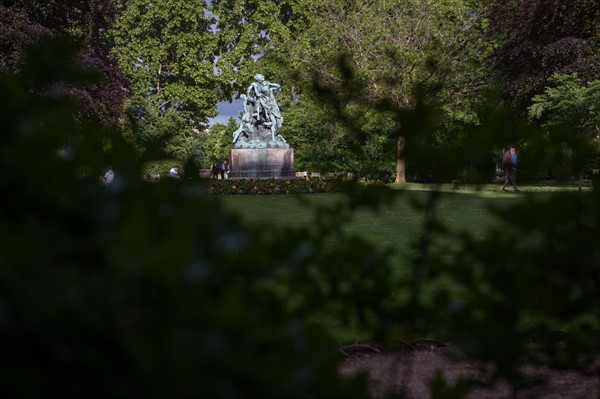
x=409, y=372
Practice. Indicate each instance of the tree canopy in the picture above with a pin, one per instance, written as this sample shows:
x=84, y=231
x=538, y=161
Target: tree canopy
x=250, y=31
x=541, y=38
x=569, y=112
x=83, y=23
x=167, y=51
x=380, y=55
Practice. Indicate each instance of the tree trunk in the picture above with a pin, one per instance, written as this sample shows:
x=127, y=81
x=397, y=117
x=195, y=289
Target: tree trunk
x=400, y=172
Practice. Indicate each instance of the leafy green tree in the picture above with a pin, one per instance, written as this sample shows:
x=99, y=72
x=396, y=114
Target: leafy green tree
x=219, y=141
x=381, y=54
x=148, y=128
x=569, y=110
x=250, y=30
x=566, y=101
x=161, y=135
x=323, y=144
x=319, y=141
x=167, y=50
x=188, y=148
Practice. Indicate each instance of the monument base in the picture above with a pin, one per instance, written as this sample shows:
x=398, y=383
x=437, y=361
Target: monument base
x=261, y=163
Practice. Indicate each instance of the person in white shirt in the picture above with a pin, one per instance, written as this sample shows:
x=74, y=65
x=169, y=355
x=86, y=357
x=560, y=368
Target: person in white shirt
x=109, y=176
x=174, y=172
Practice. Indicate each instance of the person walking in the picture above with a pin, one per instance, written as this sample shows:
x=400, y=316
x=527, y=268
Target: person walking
x=223, y=169
x=509, y=166
x=215, y=170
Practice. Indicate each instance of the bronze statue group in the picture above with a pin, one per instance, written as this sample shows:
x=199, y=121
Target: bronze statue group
x=261, y=116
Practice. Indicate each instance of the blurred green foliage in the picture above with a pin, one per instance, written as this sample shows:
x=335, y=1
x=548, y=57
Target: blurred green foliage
x=528, y=294
x=154, y=290
x=134, y=288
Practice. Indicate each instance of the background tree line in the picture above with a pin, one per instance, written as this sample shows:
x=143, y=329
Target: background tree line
x=348, y=70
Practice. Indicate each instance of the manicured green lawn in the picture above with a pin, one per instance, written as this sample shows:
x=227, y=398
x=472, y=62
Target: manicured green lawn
x=397, y=223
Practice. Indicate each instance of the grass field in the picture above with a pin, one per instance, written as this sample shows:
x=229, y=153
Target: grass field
x=397, y=223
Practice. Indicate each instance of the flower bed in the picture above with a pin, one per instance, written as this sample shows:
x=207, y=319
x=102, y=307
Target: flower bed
x=270, y=186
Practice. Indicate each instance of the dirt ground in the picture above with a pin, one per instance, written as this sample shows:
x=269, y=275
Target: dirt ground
x=409, y=372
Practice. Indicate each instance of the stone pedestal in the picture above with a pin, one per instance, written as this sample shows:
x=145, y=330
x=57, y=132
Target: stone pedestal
x=261, y=163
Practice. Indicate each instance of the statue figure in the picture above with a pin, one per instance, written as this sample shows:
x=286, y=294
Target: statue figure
x=246, y=127
x=261, y=118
